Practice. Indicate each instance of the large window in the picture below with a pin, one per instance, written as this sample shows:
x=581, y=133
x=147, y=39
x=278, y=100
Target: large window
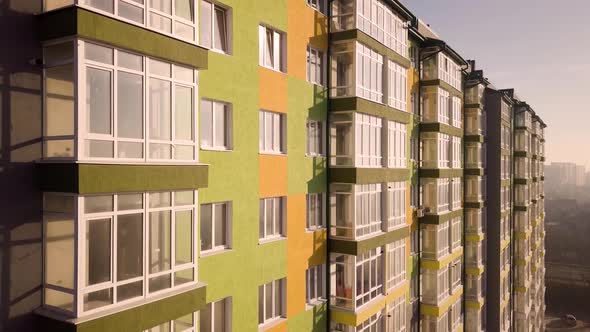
x=369, y=73
x=315, y=280
x=456, y=151
x=187, y=323
x=456, y=193
x=215, y=27
x=377, y=19
x=396, y=268
x=456, y=232
x=316, y=65
x=216, y=316
x=134, y=245
x=358, y=279
x=356, y=210
x=437, y=150
x=216, y=125
x=456, y=114
x=135, y=108
x=315, y=138
x=396, y=192
x=436, y=105
x=272, y=218
x=315, y=211
x=449, y=71
x=396, y=145
x=398, y=86
x=368, y=140
x=272, y=48
x=215, y=226
x=396, y=316
x=436, y=238
x=271, y=301
x=368, y=209
x=272, y=136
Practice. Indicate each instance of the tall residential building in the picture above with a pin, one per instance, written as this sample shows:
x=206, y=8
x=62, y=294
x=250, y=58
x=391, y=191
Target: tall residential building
x=260, y=165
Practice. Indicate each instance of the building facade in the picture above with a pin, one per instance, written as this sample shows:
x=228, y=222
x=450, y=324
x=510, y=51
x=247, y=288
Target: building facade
x=258, y=165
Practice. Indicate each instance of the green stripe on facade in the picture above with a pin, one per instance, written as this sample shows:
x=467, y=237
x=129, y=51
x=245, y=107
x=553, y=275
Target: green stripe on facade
x=436, y=219
x=358, y=247
x=441, y=128
x=368, y=107
x=368, y=175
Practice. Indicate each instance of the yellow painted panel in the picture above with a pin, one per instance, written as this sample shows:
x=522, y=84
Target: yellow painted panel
x=272, y=90
x=475, y=271
x=474, y=237
x=438, y=264
x=280, y=327
x=272, y=175
x=437, y=311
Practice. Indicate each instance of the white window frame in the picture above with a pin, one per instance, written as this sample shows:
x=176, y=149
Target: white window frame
x=397, y=141
x=227, y=315
x=315, y=284
x=396, y=192
x=443, y=284
x=368, y=147
x=456, y=114
x=316, y=64
x=372, y=260
x=228, y=228
x=443, y=245
x=227, y=26
x=278, y=55
x=228, y=128
x=456, y=152
x=443, y=106
x=369, y=73
x=456, y=232
x=83, y=134
x=457, y=196
x=396, y=315
x=279, y=286
x=396, y=274
x=280, y=147
x=398, y=86
x=273, y=203
x=378, y=20
x=316, y=143
x=367, y=197
x=171, y=325
x=315, y=219
x=318, y=5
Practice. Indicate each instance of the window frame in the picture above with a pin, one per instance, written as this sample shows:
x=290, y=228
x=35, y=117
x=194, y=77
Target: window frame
x=282, y=135
x=315, y=146
x=396, y=271
x=316, y=287
x=228, y=227
x=397, y=205
x=319, y=6
x=278, y=285
x=228, y=27
x=397, y=145
x=228, y=128
x=279, y=51
x=320, y=65
x=282, y=224
x=227, y=315
x=317, y=215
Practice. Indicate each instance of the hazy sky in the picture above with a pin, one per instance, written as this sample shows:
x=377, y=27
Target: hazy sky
x=541, y=48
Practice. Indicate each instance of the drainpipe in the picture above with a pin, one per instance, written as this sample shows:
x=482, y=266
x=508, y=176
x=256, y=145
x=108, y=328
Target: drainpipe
x=328, y=153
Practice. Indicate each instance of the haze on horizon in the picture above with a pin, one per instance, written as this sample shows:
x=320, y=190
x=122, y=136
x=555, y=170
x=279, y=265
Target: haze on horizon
x=541, y=48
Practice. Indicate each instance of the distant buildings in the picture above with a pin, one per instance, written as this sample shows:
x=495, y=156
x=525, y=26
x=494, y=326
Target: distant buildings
x=565, y=176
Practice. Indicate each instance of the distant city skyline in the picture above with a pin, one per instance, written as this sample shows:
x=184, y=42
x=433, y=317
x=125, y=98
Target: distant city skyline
x=542, y=57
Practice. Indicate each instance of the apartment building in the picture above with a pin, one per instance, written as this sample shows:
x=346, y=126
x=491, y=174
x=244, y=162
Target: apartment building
x=259, y=165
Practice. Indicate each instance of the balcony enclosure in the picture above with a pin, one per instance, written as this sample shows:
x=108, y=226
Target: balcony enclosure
x=474, y=287
x=522, y=221
x=523, y=302
x=437, y=193
x=437, y=240
x=523, y=248
x=474, y=155
x=437, y=150
x=104, y=104
x=522, y=140
x=356, y=279
x=108, y=251
x=442, y=67
x=474, y=254
x=474, y=188
x=356, y=140
x=172, y=18
x=373, y=17
x=475, y=221
x=522, y=167
x=474, y=319
x=523, y=118
x=357, y=211
x=475, y=121
x=475, y=94
x=440, y=106
x=435, y=285
x=522, y=194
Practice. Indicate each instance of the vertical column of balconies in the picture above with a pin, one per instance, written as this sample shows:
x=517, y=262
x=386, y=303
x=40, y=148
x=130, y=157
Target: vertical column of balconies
x=369, y=131
x=475, y=162
x=441, y=182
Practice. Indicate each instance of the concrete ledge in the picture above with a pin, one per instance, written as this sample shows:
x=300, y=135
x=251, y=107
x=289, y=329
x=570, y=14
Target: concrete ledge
x=352, y=247
x=361, y=105
x=368, y=175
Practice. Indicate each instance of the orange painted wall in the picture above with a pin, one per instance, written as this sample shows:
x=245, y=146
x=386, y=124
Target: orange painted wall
x=273, y=90
x=272, y=175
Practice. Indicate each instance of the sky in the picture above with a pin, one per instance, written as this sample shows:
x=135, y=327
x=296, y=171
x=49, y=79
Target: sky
x=541, y=48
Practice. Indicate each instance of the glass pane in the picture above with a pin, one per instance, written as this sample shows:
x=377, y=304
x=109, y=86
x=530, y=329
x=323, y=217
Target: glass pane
x=260, y=304
x=93, y=204
x=183, y=323
x=159, y=199
x=130, y=150
x=220, y=30
x=184, y=197
x=184, y=9
x=220, y=224
x=160, y=22
x=160, y=151
x=184, y=237
x=268, y=301
x=206, y=230
x=219, y=318
x=58, y=203
x=131, y=12
x=184, y=276
x=129, y=291
x=130, y=61
x=130, y=105
x=160, y=105
x=160, y=237
x=58, y=148
x=278, y=302
x=220, y=125
x=98, y=299
x=98, y=251
x=205, y=27
x=129, y=201
x=98, y=101
x=206, y=123
x=159, y=283
x=184, y=113
x=205, y=319
x=129, y=246
x=99, y=149
x=268, y=215
x=183, y=74
x=184, y=31
x=59, y=299
x=165, y=327
x=184, y=152
x=58, y=53
x=160, y=68
x=96, y=52
x=162, y=5
x=59, y=250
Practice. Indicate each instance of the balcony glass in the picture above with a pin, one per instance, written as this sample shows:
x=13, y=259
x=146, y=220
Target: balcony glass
x=356, y=211
x=356, y=140
x=437, y=195
x=474, y=155
x=473, y=254
x=475, y=123
x=475, y=94
x=474, y=221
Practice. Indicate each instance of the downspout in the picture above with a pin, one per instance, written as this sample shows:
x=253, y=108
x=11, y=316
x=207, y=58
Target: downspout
x=328, y=158
x=419, y=203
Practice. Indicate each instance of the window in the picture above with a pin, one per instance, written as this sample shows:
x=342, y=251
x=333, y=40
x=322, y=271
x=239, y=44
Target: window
x=369, y=75
x=398, y=86
x=449, y=71
x=443, y=106
x=414, y=195
x=271, y=301
x=215, y=316
x=396, y=315
x=397, y=204
x=456, y=270
x=215, y=226
x=414, y=148
x=186, y=323
x=175, y=18
x=315, y=280
x=133, y=246
x=369, y=281
x=396, y=253
x=272, y=218
x=456, y=232
x=375, y=18
x=456, y=114
x=456, y=151
x=214, y=27
x=456, y=194
x=397, y=145
x=315, y=211
x=368, y=141
x=316, y=65
x=117, y=123
x=319, y=5
x=272, y=127
x=216, y=125
x=272, y=49
x=315, y=138
x=368, y=209
x=443, y=239
x=443, y=283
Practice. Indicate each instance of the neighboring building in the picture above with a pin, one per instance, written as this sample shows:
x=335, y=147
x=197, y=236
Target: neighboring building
x=580, y=175
x=258, y=165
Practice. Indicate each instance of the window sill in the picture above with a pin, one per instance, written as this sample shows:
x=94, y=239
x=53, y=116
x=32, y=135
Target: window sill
x=314, y=230
x=311, y=305
x=270, y=153
x=216, y=149
x=274, y=239
x=214, y=50
x=315, y=155
x=119, y=162
x=273, y=69
x=272, y=323
x=214, y=252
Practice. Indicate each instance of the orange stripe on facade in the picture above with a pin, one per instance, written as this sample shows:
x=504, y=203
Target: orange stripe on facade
x=272, y=90
x=272, y=175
